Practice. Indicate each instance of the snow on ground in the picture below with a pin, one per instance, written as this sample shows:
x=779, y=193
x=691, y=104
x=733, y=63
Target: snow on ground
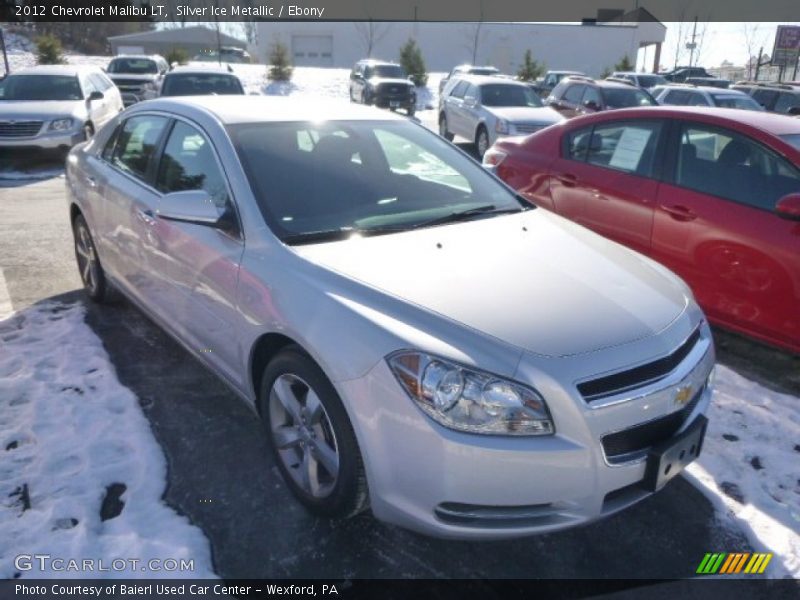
x=70, y=434
x=750, y=467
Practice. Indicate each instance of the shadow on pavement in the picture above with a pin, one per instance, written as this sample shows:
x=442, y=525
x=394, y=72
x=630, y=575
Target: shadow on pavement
x=25, y=166
x=223, y=478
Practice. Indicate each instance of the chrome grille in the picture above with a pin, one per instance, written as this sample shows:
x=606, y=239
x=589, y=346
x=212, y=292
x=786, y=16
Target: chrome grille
x=529, y=127
x=16, y=129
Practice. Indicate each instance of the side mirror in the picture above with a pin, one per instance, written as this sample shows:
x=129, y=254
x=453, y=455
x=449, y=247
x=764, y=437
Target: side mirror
x=788, y=207
x=95, y=95
x=795, y=111
x=195, y=206
x=471, y=101
x=591, y=105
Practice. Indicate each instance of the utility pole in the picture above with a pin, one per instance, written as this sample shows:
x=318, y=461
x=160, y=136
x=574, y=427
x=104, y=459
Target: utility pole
x=5, y=55
x=692, y=45
x=219, y=41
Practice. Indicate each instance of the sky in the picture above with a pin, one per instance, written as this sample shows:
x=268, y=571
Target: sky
x=723, y=41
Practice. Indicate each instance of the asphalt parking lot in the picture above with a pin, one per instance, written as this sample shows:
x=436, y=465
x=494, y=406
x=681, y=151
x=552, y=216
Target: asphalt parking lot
x=222, y=477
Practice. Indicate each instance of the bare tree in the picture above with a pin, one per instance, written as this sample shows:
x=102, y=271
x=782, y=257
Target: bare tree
x=754, y=38
x=474, y=35
x=682, y=34
x=371, y=34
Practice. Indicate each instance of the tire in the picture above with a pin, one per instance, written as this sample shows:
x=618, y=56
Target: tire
x=481, y=141
x=443, y=128
x=314, y=446
x=365, y=98
x=89, y=267
x=410, y=111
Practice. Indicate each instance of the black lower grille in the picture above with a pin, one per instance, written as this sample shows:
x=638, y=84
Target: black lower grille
x=19, y=128
x=639, y=438
x=651, y=372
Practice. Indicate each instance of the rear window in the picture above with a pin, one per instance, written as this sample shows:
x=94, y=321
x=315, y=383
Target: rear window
x=626, y=98
x=133, y=66
x=649, y=81
x=192, y=84
x=729, y=101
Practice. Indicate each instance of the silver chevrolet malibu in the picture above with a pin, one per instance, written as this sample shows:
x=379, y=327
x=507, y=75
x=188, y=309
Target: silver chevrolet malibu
x=416, y=338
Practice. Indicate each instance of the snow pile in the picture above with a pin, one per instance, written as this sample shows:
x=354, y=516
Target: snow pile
x=750, y=466
x=74, y=444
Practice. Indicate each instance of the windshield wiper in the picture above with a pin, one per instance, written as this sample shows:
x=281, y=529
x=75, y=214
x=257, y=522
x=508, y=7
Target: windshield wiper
x=465, y=215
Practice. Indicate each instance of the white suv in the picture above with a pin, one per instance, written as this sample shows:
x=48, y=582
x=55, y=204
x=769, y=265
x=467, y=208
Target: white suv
x=481, y=109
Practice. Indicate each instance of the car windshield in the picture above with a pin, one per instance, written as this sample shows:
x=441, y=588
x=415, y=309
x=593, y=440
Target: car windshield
x=792, y=138
x=133, y=66
x=648, y=81
x=324, y=181
x=626, y=98
x=200, y=84
x=498, y=94
x=729, y=101
x=40, y=87
x=387, y=72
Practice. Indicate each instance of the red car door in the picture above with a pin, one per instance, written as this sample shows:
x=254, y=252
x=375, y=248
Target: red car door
x=605, y=179
x=716, y=227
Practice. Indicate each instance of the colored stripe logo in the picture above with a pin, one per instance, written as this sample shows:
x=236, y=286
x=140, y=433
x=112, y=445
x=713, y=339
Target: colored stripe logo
x=734, y=562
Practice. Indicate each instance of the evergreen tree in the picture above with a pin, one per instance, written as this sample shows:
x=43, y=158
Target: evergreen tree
x=411, y=60
x=624, y=65
x=280, y=68
x=530, y=69
x=49, y=51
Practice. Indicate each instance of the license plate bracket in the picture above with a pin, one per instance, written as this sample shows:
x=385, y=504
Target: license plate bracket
x=669, y=458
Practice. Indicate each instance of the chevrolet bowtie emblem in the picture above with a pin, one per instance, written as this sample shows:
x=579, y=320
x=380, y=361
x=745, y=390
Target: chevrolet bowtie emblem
x=683, y=394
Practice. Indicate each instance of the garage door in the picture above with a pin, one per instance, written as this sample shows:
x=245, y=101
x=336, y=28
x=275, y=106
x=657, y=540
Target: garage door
x=312, y=50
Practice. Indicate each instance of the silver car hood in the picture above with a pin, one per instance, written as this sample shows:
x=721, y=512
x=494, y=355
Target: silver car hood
x=141, y=77
x=40, y=110
x=521, y=114
x=533, y=280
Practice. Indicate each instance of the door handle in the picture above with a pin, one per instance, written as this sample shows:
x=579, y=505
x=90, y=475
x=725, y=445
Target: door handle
x=146, y=216
x=568, y=179
x=679, y=213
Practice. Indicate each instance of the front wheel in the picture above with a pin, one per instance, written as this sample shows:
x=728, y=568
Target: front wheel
x=443, y=128
x=482, y=142
x=311, y=436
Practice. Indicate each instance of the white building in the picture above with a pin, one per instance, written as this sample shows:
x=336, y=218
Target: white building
x=590, y=47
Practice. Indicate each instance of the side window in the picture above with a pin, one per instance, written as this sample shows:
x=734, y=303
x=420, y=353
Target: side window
x=108, y=149
x=573, y=93
x=592, y=95
x=676, y=97
x=787, y=101
x=188, y=163
x=89, y=86
x=696, y=99
x=732, y=166
x=577, y=143
x=136, y=144
x=98, y=82
x=765, y=97
x=459, y=89
x=628, y=147
x=471, y=92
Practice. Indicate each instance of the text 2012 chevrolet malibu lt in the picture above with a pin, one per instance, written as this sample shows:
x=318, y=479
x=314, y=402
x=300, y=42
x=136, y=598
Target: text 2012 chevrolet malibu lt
x=415, y=338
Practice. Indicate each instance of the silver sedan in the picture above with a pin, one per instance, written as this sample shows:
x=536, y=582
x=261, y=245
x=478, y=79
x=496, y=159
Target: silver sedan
x=415, y=337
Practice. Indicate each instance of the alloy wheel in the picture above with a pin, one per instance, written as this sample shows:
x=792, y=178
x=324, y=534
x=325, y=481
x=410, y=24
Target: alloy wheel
x=87, y=258
x=303, y=436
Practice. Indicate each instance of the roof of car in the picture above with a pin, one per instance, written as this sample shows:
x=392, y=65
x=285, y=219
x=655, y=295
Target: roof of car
x=773, y=123
x=234, y=109
x=375, y=61
x=487, y=79
x=57, y=70
x=139, y=56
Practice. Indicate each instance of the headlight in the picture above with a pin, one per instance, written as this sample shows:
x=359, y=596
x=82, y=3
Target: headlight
x=501, y=126
x=470, y=400
x=61, y=124
x=149, y=86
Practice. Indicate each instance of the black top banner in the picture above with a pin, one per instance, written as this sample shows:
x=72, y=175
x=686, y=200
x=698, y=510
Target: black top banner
x=400, y=10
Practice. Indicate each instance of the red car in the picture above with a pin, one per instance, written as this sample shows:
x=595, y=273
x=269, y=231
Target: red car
x=713, y=194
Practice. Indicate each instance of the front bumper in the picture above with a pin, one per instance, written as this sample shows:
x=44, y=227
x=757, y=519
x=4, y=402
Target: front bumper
x=57, y=140
x=448, y=484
